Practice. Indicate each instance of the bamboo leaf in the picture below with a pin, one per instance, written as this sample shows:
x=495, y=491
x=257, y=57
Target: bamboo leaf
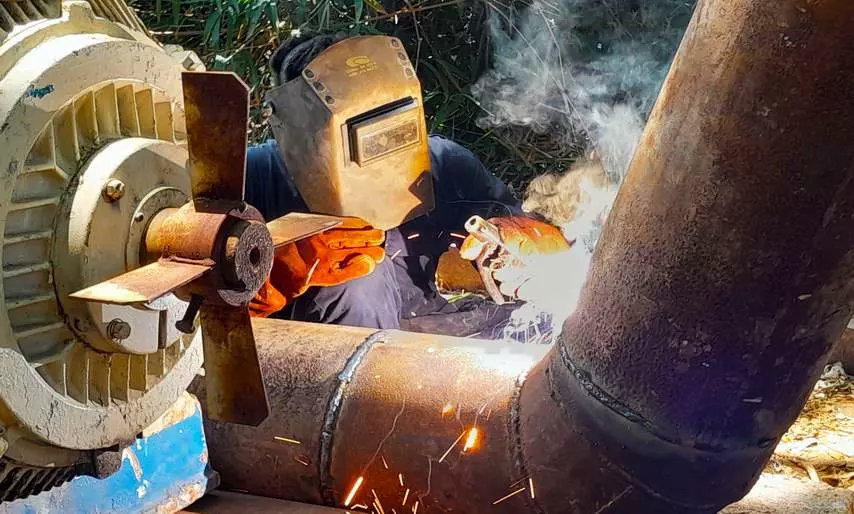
x=254, y=17
x=231, y=25
x=213, y=27
x=358, y=5
x=176, y=12
x=272, y=8
x=301, y=12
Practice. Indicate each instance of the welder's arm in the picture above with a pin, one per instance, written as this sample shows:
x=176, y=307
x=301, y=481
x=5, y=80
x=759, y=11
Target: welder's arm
x=334, y=257
x=524, y=242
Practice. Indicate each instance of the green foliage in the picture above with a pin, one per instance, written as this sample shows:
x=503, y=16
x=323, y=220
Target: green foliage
x=447, y=40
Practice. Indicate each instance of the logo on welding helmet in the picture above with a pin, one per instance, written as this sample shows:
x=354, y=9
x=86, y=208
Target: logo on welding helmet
x=359, y=65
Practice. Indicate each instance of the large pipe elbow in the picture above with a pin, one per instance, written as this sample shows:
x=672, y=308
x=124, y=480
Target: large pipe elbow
x=719, y=285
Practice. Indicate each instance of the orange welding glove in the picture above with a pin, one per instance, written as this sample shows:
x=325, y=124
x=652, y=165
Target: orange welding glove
x=349, y=251
x=525, y=239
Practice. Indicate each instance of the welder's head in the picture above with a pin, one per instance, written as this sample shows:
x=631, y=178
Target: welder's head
x=349, y=119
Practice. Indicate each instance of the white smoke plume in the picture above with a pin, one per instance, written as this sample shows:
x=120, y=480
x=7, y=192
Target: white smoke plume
x=587, y=71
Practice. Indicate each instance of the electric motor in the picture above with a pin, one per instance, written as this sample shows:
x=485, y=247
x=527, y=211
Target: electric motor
x=92, y=145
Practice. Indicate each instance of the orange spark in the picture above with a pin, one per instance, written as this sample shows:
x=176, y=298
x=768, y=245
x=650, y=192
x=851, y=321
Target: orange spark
x=377, y=502
x=471, y=440
x=452, y=446
x=302, y=460
x=395, y=254
x=400, y=477
x=531, y=487
x=286, y=440
x=385, y=464
x=359, y=506
x=413, y=236
x=514, y=493
x=405, y=497
x=415, y=509
x=459, y=236
x=353, y=491
x=447, y=409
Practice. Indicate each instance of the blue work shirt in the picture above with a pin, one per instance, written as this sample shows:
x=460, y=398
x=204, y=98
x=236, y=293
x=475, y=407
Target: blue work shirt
x=462, y=186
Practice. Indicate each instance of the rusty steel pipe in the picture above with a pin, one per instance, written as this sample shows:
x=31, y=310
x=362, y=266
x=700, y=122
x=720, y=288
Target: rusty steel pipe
x=351, y=401
x=716, y=291
x=723, y=275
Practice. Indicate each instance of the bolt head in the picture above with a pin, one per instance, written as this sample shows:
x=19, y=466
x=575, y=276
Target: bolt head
x=114, y=189
x=118, y=330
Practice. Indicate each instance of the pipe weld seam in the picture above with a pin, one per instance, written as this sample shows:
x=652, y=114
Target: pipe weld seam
x=605, y=398
x=333, y=408
x=514, y=427
x=615, y=437
x=630, y=478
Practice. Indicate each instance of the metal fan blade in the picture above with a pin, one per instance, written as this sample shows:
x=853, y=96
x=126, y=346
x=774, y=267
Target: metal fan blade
x=216, y=107
x=234, y=384
x=143, y=284
x=296, y=225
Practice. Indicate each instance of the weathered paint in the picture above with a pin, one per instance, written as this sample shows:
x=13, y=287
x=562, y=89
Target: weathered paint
x=39, y=92
x=163, y=473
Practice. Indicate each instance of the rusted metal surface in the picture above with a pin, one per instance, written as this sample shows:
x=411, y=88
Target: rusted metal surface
x=229, y=244
x=216, y=107
x=235, y=389
x=296, y=225
x=723, y=275
x=143, y=284
x=188, y=233
x=721, y=282
x=230, y=236
x=843, y=351
x=247, y=257
x=301, y=376
x=409, y=410
x=388, y=406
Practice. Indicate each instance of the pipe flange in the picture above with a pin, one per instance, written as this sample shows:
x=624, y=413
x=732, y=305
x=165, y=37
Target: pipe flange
x=102, y=226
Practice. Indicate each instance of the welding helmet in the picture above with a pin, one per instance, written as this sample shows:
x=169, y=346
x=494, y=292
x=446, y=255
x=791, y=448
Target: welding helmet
x=352, y=133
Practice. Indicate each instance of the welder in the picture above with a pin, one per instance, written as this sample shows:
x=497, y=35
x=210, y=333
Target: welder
x=350, y=140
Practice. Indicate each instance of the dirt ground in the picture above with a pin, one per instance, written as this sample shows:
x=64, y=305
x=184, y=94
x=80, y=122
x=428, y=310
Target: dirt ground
x=812, y=470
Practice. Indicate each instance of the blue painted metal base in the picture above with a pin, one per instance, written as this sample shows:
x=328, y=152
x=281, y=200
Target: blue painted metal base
x=162, y=473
